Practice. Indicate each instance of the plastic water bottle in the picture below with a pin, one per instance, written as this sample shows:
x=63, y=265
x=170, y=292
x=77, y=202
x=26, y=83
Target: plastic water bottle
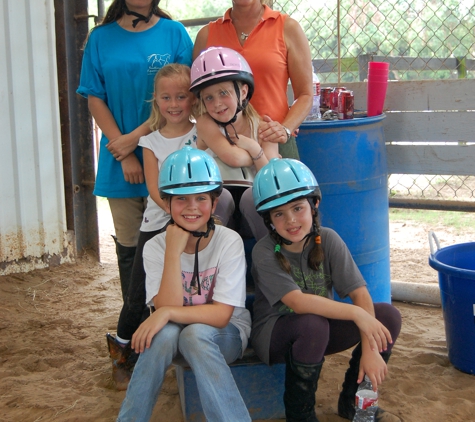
x=315, y=111
x=366, y=402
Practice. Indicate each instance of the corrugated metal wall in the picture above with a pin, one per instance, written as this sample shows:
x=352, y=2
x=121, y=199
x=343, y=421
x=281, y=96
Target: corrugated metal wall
x=33, y=230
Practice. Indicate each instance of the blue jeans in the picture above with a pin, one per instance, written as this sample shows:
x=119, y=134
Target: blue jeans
x=208, y=350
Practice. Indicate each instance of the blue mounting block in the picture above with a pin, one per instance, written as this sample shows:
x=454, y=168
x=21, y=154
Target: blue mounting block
x=261, y=387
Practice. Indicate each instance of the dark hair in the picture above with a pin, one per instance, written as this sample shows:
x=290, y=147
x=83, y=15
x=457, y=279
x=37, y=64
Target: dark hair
x=214, y=194
x=316, y=255
x=118, y=7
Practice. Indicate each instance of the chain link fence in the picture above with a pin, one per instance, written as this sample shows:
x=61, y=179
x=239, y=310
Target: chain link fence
x=456, y=192
x=422, y=40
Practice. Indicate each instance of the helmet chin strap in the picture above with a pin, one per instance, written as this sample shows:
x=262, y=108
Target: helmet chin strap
x=288, y=242
x=240, y=107
x=196, y=272
x=139, y=17
x=306, y=237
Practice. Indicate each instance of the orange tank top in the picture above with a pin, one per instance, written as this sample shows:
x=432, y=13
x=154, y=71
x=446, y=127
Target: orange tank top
x=266, y=53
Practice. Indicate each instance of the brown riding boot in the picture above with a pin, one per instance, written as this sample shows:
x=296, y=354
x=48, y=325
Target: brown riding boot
x=122, y=362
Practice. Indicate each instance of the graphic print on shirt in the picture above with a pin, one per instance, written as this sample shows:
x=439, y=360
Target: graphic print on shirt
x=316, y=282
x=192, y=141
x=157, y=61
x=207, y=281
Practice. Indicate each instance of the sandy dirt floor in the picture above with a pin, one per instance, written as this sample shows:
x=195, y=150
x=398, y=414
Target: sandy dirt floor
x=54, y=363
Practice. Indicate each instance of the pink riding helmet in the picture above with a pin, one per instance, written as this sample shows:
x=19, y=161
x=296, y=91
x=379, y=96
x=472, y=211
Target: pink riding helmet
x=220, y=64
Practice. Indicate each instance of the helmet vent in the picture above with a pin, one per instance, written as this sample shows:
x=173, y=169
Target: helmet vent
x=277, y=182
x=295, y=173
x=222, y=59
x=170, y=174
x=208, y=169
x=189, y=170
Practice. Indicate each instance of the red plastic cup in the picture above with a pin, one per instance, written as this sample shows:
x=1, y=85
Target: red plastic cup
x=378, y=65
x=378, y=78
x=376, y=94
x=378, y=72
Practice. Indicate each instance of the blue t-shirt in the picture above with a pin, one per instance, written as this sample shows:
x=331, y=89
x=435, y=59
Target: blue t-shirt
x=119, y=67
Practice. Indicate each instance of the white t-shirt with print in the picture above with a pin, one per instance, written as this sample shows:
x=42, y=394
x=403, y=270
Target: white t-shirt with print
x=222, y=273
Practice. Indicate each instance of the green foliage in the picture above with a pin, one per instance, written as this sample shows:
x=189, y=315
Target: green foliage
x=458, y=220
x=440, y=28
x=183, y=10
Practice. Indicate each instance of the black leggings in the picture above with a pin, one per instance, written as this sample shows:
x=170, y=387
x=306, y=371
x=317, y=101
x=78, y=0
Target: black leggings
x=312, y=337
x=134, y=310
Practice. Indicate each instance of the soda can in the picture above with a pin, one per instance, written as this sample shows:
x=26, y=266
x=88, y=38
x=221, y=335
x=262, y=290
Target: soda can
x=365, y=399
x=325, y=97
x=345, y=105
x=334, y=98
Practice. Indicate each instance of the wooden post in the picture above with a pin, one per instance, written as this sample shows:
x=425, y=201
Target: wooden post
x=363, y=61
x=461, y=65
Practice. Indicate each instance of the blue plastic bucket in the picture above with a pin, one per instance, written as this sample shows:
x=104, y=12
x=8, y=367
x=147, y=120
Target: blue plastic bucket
x=348, y=158
x=456, y=267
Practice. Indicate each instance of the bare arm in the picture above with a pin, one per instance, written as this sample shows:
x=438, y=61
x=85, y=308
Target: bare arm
x=371, y=363
x=300, y=72
x=120, y=145
x=271, y=149
x=200, y=42
x=256, y=151
x=132, y=169
x=151, y=171
x=170, y=292
x=209, y=134
x=215, y=314
x=103, y=117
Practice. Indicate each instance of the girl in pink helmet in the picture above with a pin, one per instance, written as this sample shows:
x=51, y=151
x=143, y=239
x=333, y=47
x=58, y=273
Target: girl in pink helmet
x=227, y=125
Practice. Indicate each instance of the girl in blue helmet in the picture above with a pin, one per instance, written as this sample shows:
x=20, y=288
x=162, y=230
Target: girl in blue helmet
x=196, y=284
x=296, y=321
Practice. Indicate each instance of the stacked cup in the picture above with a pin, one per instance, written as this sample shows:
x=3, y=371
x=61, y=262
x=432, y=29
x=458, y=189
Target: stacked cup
x=378, y=73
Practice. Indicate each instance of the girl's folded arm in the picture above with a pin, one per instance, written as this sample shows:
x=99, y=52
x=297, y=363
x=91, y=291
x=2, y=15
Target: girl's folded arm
x=210, y=134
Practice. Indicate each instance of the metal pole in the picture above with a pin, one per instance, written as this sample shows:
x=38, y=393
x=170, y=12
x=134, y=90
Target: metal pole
x=339, y=40
x=71, y=21
x=100, y=10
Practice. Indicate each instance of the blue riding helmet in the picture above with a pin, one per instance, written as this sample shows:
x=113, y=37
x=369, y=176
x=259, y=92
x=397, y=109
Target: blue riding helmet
x=189, y=171
x=282, y=181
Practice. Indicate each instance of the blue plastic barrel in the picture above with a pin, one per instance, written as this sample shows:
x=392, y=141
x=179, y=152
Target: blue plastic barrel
x=456, y=267
x=348, y=158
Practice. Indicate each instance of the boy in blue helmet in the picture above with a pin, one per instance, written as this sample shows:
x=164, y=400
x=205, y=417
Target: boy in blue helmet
x=195, y=281
x=296, y=321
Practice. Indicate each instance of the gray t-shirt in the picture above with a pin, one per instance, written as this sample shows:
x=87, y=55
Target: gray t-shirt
x=339, y=272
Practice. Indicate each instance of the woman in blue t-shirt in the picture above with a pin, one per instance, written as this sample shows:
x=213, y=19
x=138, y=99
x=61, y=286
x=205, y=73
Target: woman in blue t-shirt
x=121, y=57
